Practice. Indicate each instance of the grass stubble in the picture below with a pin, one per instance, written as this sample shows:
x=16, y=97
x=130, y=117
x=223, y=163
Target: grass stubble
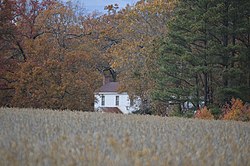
x=46, y=137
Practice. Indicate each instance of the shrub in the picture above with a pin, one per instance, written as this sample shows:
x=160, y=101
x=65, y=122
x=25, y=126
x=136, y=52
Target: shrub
x=204, y=113
x=236, y=110
x=215, y=111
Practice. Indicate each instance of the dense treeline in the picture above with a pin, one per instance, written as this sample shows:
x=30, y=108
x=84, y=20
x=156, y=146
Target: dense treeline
x=167, y=52
x=205, y=56
x=50, y=53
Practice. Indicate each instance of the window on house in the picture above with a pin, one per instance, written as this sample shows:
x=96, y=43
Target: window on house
x=131, y=102
x=103, y=100
x=117, y=100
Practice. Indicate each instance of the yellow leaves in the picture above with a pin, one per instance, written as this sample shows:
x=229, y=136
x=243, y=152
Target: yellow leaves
x=156, y=6
x=114, y=65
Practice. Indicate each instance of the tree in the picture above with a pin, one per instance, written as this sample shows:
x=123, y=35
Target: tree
x=134, y=55
x=17, y=24
x=58, y=75
x=64, y=73
x=7, y=64
x=199, y=57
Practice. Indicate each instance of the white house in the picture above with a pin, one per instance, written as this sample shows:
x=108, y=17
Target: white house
x=108, y=99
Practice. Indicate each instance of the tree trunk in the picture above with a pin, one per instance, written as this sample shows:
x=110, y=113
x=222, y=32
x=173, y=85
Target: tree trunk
x=225, y=44
x=197, y=91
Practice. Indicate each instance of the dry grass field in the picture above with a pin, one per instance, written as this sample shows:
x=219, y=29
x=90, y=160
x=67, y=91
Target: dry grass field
x=45, y=137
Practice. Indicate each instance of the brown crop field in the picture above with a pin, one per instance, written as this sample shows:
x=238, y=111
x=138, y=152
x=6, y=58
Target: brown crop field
x=46, y=137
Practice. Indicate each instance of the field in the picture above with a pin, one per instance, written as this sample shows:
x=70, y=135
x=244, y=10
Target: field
x=45, y=137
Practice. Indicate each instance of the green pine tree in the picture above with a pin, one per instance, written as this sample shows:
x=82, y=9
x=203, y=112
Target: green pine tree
x=205, y=56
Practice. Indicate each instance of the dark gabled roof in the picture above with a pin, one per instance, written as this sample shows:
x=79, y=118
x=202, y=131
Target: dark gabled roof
x=111, y=110
x=109, y=87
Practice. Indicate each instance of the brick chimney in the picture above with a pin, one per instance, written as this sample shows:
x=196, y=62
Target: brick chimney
x=106, y=79
x=109, y=76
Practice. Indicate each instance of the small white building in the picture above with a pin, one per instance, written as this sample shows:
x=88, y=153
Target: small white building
x=109, y=98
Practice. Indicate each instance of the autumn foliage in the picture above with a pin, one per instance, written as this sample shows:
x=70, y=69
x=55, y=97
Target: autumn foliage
x=49, y=57
x=204, y=113
x=53, y=54
x=236, y=110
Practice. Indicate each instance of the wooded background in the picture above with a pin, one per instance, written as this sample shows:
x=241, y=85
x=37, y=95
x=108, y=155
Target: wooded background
x=52, y=55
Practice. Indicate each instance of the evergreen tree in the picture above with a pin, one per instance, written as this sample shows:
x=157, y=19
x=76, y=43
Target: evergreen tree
x=205, y=56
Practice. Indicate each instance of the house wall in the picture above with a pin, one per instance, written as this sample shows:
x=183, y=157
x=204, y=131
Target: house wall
x=110, y=101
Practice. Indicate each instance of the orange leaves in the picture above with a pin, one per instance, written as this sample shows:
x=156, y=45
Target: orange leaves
x=237, y=110
x=204, y=113
x=60, y=71
x=61, y=57
x=56, y=84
